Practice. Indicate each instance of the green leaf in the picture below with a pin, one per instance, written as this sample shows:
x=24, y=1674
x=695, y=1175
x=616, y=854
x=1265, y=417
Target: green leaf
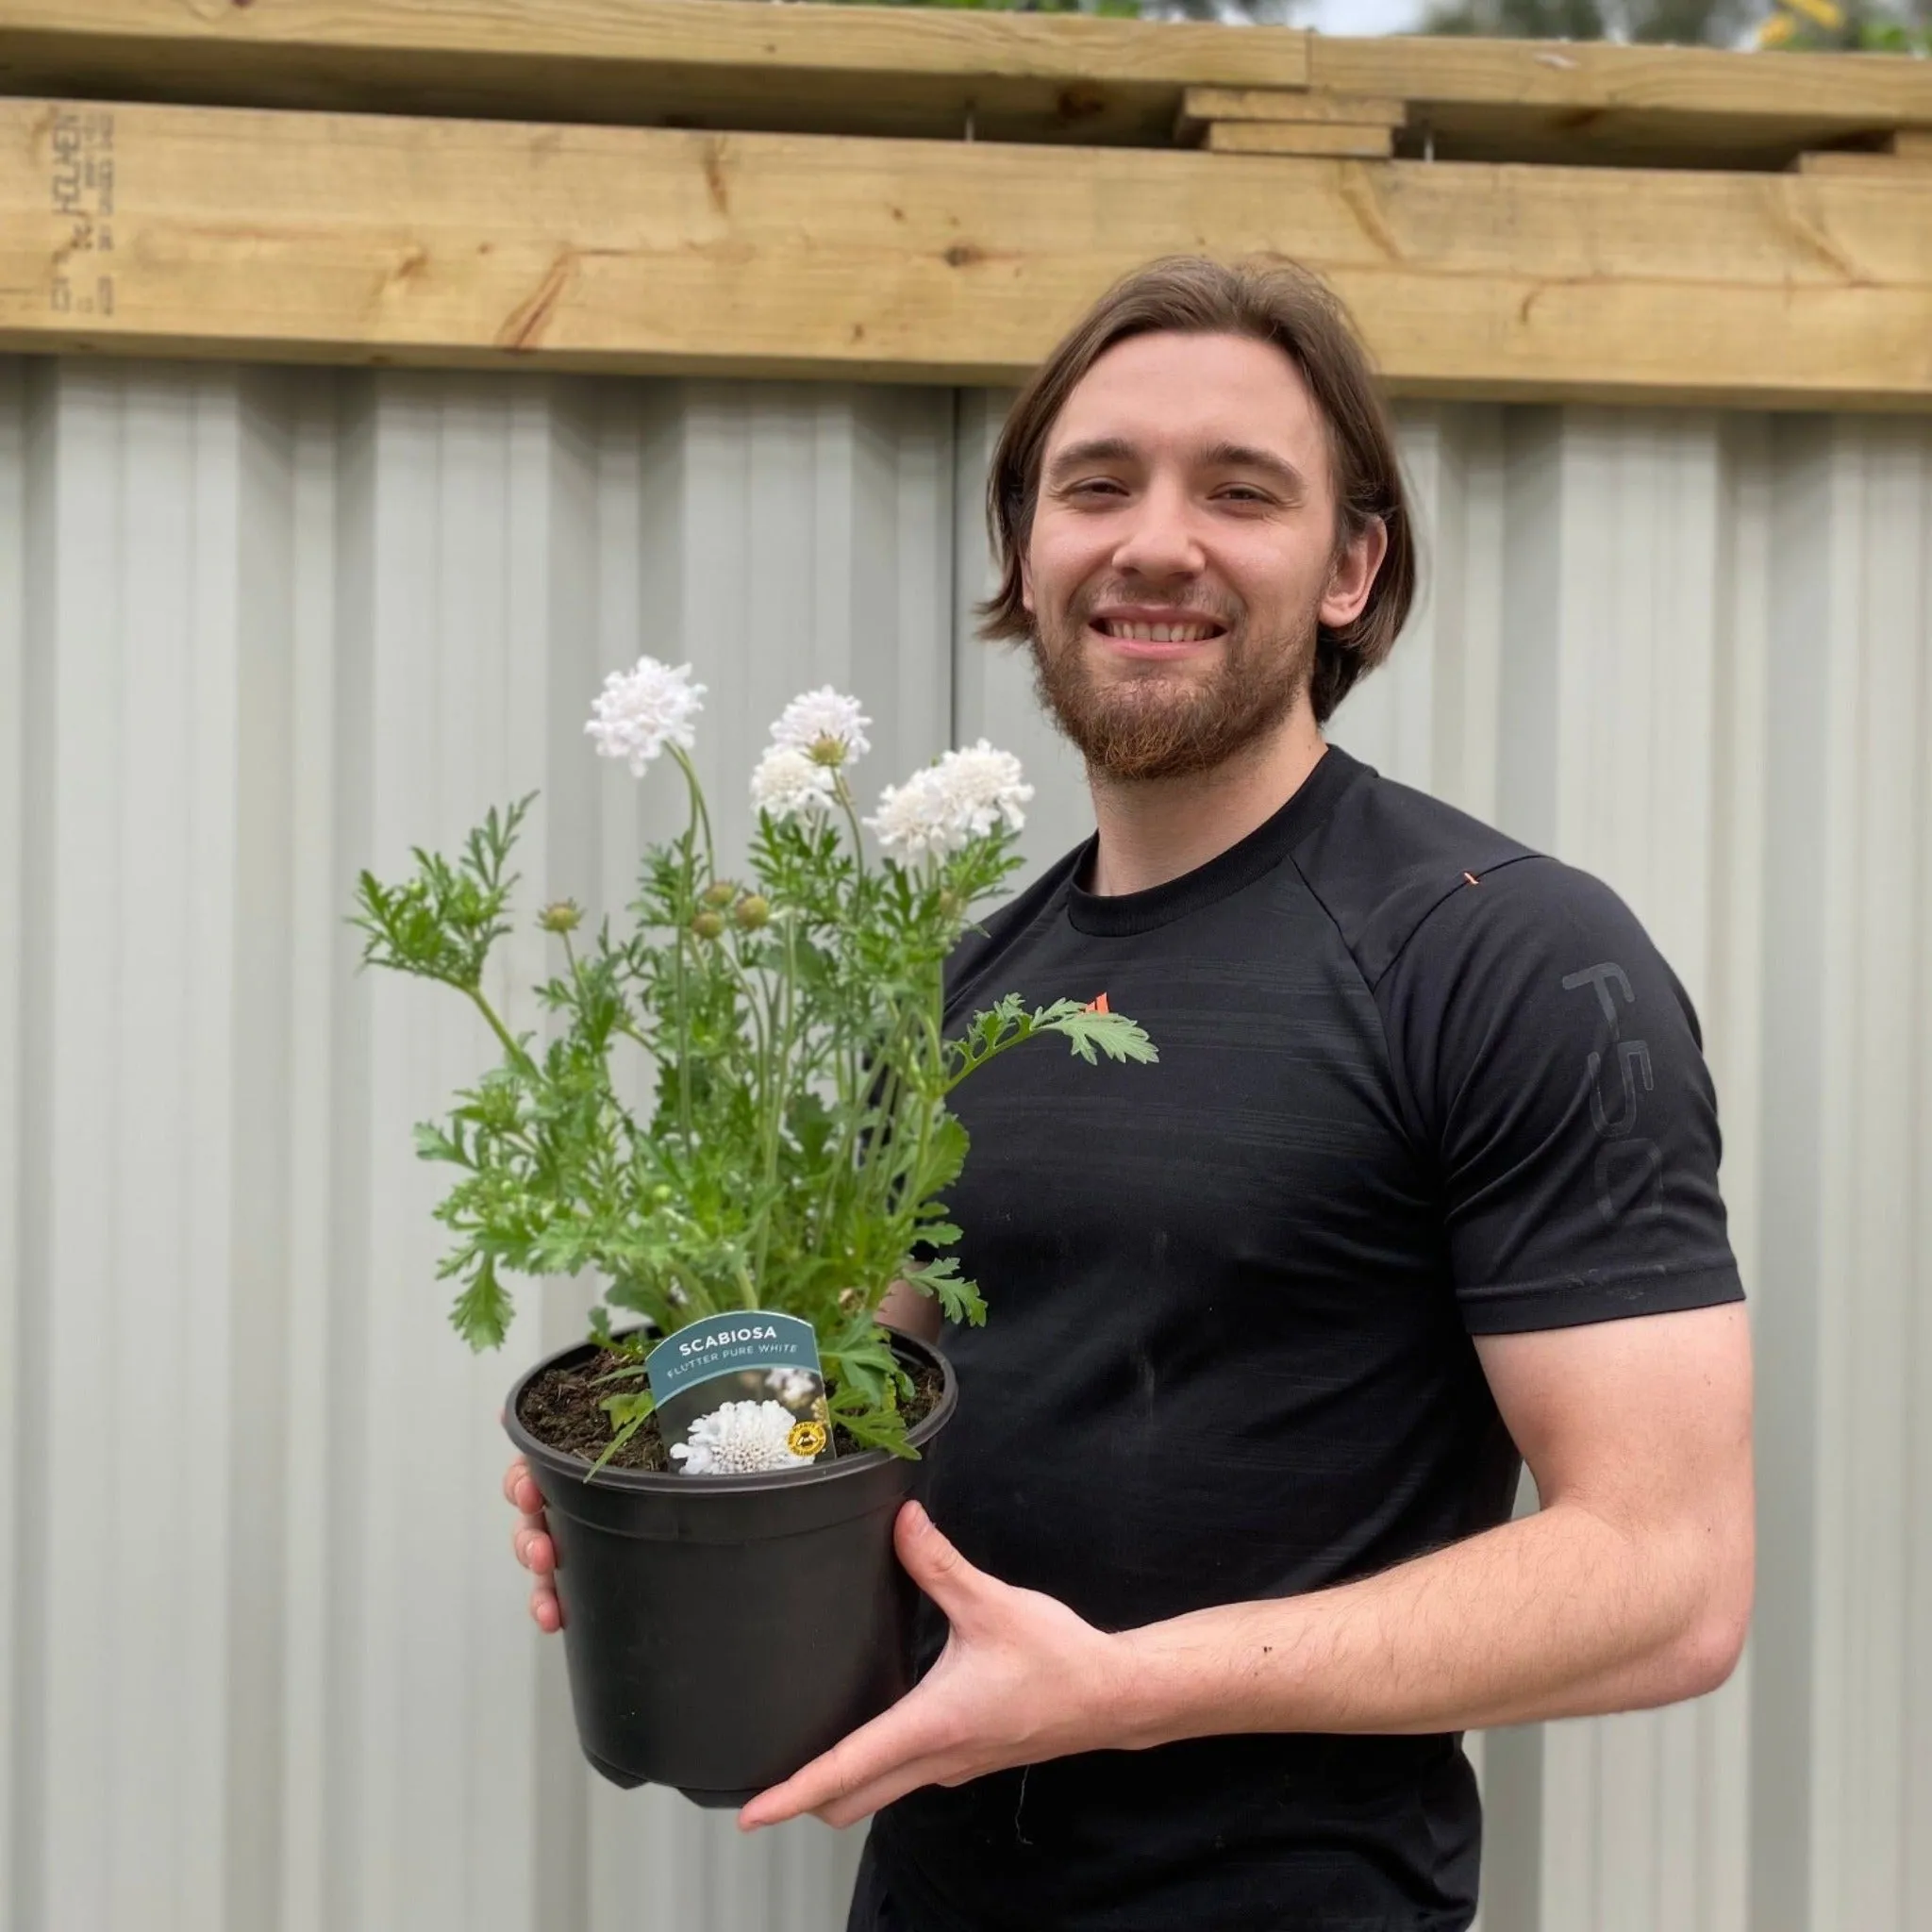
x=482, y=1313
x=432, y=1143
x=957, y=1296
x=876, y=1428
x=635, y=1408
x=630, y=1413
x=441, y=924
x=945, y=1159
x=861, y=1360
x=812, y=1126
x=1116, y=1036
x=628, y=1374
x=1006, y=1024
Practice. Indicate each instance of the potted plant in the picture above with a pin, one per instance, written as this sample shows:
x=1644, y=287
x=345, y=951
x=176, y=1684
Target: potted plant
x=720, y=1460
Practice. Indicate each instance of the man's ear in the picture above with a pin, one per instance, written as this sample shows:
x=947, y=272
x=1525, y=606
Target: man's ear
x=1354, y=575
x=1026, y=584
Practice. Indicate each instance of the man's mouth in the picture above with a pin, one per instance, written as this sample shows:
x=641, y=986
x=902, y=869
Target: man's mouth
x=1158, y=633
x=1179, y=630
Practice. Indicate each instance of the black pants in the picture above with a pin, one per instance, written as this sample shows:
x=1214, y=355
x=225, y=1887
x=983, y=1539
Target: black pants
x=872, y=1910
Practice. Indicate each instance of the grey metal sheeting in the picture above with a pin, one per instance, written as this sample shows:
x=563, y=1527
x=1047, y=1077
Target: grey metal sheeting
x=267, y=1663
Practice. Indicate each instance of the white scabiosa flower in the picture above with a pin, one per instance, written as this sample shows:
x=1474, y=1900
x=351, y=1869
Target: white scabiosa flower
x=965, y=796
x=740, y=1439
x=915, y=821
x=826, y=728
x=641, y=710
x=986, y=787
x=789, y=783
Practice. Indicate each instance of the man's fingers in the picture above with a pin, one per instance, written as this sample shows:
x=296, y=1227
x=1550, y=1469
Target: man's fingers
x=934, y=1564
x=902, y=1735
x=534, y=1550
x=531, y=1543
x=882, y=1792
x=519, y=1489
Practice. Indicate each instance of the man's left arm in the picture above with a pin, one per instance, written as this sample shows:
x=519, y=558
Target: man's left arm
x=1630, y=1585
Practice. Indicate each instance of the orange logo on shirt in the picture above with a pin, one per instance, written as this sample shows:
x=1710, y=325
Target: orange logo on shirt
x=1099, y=1006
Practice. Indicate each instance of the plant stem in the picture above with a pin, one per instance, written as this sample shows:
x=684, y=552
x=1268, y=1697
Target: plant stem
x=697, y=1301
x=510, y=1046
x=699, y=815
x=781, y=1084
x=1023, y=1031
x=844, y=793
x=872, y=1189
x=679, y=992
x=734, y=965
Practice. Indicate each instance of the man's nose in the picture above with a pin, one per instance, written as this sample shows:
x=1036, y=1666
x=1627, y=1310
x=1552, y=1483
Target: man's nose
x=1160, y=541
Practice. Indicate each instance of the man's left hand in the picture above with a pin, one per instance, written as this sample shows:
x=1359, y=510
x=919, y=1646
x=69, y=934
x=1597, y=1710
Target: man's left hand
x=1022, y=1679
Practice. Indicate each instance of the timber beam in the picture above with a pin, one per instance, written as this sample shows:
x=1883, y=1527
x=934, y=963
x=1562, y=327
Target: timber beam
x=683, y=63
x=282, y=235
x=947, y=73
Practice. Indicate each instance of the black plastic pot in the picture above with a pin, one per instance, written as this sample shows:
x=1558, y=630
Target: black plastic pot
x=723, y=1630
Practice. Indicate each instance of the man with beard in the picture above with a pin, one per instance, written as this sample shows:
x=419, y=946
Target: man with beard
x=1423, y=1185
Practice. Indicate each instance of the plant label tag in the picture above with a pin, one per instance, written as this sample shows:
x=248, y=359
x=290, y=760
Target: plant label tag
x=739, y=1394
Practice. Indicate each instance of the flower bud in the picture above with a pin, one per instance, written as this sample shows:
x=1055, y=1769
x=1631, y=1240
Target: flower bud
x=952, y=905
x=561, y=915
x=708, y=925
x=827, y=750
x=752, y=911
x=720, y=893
x=850, y=1299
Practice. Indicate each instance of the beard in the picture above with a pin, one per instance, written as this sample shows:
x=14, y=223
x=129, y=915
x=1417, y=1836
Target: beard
x=1150, y=722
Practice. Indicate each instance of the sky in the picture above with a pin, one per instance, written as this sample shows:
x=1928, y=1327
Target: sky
x=1358, y=16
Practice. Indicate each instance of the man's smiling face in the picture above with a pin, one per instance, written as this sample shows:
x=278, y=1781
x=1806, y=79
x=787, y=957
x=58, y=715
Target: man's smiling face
x=1183, y=553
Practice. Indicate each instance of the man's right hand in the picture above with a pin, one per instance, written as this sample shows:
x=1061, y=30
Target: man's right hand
x=531, y=1541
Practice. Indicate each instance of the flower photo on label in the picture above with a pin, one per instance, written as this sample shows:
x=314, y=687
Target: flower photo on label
x=741, y=1439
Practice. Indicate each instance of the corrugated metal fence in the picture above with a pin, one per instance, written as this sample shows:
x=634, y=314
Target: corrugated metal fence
x=266, y=1662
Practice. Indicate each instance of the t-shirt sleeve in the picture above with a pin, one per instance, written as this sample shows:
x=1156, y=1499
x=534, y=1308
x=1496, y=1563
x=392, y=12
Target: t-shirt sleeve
x=1556, y=1075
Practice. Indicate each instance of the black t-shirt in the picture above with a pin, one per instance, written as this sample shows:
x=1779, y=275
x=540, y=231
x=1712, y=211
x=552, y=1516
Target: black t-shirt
x=1416, y=1083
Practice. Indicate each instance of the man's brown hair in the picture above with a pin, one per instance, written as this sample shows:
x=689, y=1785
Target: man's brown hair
x=1271, y=301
